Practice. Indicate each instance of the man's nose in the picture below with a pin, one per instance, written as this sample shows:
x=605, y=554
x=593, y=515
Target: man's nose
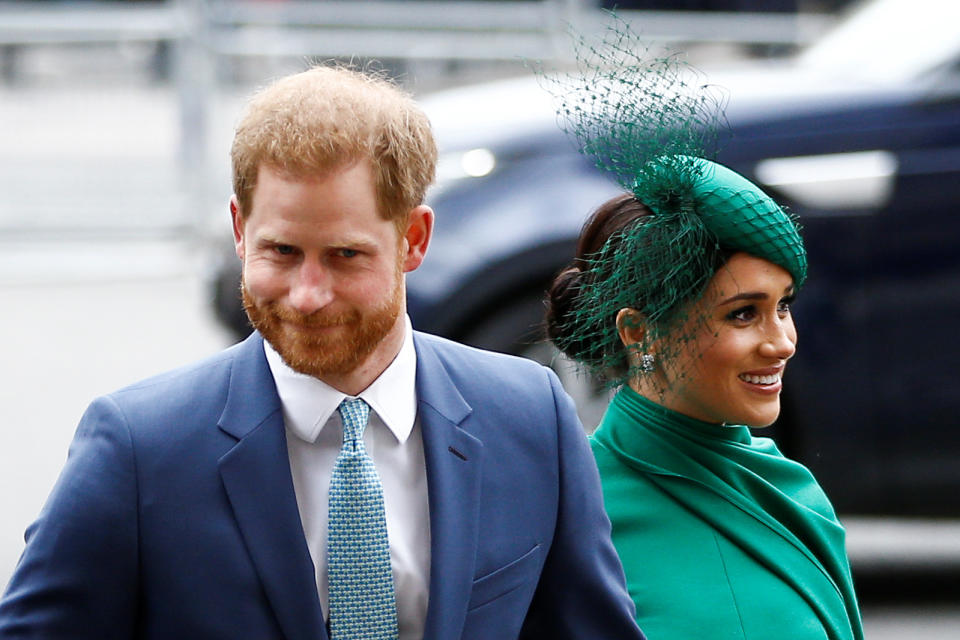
x=311, y=289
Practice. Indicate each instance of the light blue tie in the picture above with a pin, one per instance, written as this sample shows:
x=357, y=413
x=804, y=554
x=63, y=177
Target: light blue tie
x=362, y=604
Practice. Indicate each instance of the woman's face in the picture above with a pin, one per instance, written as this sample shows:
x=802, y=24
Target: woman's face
x=743, y=334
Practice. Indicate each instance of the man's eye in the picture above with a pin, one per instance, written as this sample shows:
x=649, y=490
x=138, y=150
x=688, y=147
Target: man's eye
x=284, y=249
x=348, y=253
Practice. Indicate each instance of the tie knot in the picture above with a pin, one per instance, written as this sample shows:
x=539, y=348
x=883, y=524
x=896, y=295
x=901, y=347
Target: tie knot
x=354, y=413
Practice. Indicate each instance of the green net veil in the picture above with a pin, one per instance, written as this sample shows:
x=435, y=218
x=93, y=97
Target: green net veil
x=652, y=123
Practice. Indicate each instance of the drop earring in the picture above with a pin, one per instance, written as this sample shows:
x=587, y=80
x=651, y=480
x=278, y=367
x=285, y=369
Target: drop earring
x=646, y=363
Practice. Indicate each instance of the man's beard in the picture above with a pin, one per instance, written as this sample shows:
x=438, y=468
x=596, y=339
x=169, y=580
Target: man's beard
x=322, y=343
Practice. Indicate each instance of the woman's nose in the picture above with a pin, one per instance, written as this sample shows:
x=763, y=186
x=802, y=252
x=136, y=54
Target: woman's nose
x=780, y=340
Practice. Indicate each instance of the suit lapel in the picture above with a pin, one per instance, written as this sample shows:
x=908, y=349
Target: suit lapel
x=453, y=459
x=256, y=475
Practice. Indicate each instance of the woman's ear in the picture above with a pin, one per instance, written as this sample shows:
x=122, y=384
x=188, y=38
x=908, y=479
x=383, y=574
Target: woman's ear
x=630, y=326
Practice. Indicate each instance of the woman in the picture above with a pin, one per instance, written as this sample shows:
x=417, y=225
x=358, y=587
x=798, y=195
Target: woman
x=719, y=534
x=679, y=297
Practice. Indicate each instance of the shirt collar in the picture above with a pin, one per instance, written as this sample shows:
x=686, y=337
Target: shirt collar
x=309, y=402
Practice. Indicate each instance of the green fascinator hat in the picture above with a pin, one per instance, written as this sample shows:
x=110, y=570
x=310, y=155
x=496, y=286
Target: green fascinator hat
x=653, y=125
x=744, y=218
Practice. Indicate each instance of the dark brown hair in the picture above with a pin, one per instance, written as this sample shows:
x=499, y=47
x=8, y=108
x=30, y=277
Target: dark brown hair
x=602, y=231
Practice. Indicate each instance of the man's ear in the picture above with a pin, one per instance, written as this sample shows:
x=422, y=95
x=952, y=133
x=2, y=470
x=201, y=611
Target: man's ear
x=630, y=326
x=416, y=239
x=237, y=219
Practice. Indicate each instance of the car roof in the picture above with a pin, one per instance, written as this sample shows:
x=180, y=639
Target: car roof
x=891, y=41
x=886, y=50
x=493, y=112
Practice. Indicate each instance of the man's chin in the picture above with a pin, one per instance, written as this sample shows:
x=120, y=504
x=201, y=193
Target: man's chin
x=303, y=352
x=322, y=368
x=328, y=346
x=316, y=337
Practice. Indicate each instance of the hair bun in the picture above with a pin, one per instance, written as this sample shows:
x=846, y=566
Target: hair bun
x=576, y=330
x=563, y=300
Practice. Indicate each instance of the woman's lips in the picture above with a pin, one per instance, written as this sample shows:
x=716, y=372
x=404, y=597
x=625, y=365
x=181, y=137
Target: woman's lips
x=763, y=380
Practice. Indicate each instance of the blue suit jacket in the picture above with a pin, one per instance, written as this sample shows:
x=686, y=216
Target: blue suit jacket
x=175, y=515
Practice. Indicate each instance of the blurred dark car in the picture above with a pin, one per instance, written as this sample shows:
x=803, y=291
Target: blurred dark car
x=860, y=136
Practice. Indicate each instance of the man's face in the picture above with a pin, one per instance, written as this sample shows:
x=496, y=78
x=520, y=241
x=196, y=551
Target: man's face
x=323, y=272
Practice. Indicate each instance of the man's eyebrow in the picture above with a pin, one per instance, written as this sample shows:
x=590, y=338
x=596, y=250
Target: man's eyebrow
x=267, y=235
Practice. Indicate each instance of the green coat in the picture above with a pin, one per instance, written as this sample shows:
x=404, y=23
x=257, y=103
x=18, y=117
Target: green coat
x=721, y=537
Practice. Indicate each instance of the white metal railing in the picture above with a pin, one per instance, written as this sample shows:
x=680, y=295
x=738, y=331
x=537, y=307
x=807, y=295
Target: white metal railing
x=414, y=28
x=40, y=23
x=201, y=33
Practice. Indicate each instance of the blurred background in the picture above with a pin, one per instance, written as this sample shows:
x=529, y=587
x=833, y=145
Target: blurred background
x=116, y=257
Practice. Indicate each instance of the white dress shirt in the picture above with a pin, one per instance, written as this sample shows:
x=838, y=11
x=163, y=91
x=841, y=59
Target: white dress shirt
x=394, y=441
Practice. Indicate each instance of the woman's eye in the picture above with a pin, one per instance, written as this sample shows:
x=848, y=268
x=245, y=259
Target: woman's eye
x=743, y=314
x=783, y=308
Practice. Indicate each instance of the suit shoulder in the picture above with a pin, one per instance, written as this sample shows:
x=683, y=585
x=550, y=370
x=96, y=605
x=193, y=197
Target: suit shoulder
x=486, y=377
x=196, y=389
x=187, y=375
x=456, y=354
